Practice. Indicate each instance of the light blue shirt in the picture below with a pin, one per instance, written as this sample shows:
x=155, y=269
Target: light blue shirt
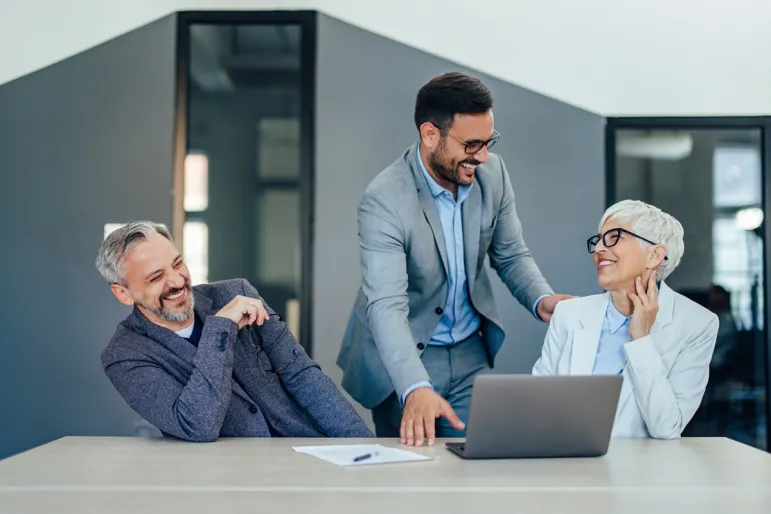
x=610, y=359
x=459, y=319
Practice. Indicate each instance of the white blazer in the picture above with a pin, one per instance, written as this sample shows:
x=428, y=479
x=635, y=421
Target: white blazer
x=666, y=372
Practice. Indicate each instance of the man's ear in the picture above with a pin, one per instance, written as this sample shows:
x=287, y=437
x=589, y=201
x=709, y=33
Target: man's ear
x=430, y=135
x=122, y=294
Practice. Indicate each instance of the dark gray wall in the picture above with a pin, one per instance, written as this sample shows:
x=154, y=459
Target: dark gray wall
x=554, y=152
x=84, y=142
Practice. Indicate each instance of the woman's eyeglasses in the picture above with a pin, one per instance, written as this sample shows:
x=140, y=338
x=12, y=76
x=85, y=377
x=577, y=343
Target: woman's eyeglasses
x=611, y=238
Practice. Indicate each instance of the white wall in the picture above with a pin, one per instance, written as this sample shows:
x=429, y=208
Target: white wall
x=636, y=57
x=646, y=57
x=37, y=33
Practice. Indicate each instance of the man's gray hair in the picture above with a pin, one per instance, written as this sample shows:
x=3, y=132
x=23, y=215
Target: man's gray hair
x=653, y=224
x=109, y=260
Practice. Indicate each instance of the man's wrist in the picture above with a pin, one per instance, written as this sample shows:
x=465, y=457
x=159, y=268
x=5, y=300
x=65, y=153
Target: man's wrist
x=418, y=385
x=537, y=304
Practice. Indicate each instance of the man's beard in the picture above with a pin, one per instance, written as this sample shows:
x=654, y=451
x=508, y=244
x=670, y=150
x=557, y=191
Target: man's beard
x=446, y=169
x=166, y=314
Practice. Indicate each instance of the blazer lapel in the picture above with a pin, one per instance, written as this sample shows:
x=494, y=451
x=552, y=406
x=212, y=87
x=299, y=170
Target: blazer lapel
x=658, y=335
x=586, y=338
x=429, y=209
x=626, y=390
x=666, y=308
x=427, y=204
x=177, y=345
x=471, y=211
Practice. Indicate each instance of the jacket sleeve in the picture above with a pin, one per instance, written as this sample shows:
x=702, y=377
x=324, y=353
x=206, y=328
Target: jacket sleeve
x=384, y=281
x=303, y=379
x=553, y=344
x=193, y=411
x=667, y=402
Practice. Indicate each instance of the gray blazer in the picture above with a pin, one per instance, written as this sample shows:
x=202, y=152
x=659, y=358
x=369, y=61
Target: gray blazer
x=404, y=273
x=253, y=382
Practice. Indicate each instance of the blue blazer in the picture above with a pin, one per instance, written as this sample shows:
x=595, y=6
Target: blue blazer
x=253, y=382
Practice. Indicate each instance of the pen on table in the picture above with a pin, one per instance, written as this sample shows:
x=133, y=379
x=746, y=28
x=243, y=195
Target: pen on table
x=364, y=457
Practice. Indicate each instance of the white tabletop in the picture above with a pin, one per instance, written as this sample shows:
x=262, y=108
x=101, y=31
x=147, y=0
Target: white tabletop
x=77, y=474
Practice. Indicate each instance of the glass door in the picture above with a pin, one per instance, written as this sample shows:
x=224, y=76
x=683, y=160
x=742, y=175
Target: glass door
x=712, y=180
x=248, y=155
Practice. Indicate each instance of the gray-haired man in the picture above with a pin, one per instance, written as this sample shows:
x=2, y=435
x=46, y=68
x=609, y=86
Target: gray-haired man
x=211, y=360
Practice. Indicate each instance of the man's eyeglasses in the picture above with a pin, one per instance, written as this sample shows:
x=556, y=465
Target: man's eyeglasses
x=611, y=238
x=474, y=146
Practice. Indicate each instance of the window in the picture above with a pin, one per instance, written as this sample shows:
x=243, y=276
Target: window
x=736, y=176
x=247, y=122
x=196, y=251
x=279, y=148
x=737, y=267
x=737, y=251
x=196, y=182
x=109, y=228
x=196, y=231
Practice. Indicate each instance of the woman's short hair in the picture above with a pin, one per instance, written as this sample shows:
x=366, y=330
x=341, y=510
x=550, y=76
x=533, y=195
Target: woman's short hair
x=653, y=224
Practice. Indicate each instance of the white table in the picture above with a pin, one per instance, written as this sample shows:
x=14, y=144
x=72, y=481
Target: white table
x=82, y=474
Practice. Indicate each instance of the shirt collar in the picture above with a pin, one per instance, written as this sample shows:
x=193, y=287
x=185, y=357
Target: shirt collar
x=434, y=186
x=615, y=319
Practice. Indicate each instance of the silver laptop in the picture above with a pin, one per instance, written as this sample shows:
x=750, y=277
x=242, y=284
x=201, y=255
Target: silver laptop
x=527, y=416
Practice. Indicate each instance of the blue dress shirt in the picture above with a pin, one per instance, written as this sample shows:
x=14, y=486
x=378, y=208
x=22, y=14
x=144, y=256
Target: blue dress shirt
x=459, y=319
x=610, y=359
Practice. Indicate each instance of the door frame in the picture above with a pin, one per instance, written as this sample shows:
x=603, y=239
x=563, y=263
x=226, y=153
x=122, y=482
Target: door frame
x=307, y=21
x=763, y=123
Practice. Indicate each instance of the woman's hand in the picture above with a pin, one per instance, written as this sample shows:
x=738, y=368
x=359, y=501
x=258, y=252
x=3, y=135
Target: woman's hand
x=646, y=306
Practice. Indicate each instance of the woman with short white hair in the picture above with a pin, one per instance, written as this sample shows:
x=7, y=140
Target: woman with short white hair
x=660, y=341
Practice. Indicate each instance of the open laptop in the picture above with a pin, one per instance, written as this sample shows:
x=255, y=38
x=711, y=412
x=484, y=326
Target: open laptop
x=527, y=416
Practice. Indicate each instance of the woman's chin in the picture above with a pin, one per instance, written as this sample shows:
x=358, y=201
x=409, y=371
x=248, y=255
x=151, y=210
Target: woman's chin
x=605, y=282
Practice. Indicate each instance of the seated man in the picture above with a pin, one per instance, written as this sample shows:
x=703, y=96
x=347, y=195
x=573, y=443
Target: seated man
x=208, y=361
x=660, y=341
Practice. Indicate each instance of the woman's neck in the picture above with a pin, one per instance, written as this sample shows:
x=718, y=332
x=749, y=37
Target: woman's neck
x=621, y=301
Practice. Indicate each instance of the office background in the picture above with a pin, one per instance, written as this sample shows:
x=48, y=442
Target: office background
x=254, y=134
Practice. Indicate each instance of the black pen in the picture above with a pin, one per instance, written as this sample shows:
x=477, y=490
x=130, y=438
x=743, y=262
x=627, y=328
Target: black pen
x=363, y=457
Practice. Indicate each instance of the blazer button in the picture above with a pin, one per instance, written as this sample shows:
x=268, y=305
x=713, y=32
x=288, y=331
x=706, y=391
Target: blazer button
x=439, y=311
x=421, y=346
x=253, y=409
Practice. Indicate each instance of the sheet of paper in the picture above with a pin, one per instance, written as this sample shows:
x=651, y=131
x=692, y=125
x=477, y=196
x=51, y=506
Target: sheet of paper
x=360, y=454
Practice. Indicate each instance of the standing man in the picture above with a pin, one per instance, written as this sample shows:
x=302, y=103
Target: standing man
x=425, y=323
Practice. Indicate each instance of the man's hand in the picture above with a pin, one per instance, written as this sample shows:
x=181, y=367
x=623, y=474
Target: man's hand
x=545, y=307
x=421, y=410
x=646, y=307
x=244, y=311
